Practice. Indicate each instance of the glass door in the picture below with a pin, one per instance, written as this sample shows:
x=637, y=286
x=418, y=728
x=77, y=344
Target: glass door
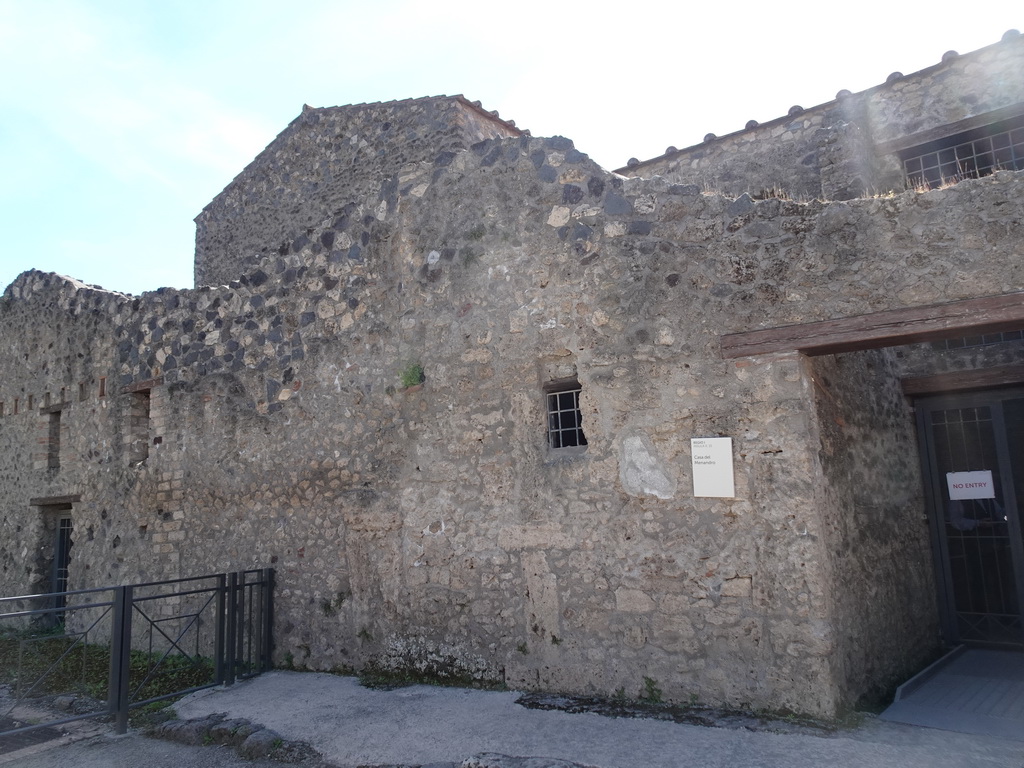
x=973, y=452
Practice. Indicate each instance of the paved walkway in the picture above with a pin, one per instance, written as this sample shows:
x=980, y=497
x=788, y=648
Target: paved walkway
x=442, y=727
x=970, y=690
x=351, y=725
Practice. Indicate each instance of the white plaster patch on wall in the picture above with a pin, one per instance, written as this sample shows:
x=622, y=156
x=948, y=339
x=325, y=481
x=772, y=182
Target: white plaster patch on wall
x=642, y=472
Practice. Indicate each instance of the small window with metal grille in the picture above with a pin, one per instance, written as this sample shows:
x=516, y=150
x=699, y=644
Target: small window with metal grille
x=565, y=422
x=968, y=155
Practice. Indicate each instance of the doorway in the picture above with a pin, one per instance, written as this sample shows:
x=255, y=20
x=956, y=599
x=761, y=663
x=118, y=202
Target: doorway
x=53, y=569
x=972, y=449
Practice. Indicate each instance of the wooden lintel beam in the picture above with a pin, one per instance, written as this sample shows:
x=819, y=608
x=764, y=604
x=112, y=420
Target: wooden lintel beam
x=49, y=501
x=969, y=317
x=142, y=386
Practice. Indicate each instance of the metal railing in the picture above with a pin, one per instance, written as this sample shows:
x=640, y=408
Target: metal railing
x=111, y=649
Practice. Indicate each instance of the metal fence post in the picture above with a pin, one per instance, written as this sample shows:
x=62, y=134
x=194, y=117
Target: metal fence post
x=242, y=620
x=232, y=630
x=120, y=657
x=218, y=642
x=268, y=618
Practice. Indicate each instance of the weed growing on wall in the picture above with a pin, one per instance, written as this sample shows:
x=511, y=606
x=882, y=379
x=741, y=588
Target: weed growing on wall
x=412, y=375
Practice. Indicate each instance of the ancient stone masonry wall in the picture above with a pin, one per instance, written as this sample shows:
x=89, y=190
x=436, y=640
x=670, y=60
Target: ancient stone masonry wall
x=58, y=357
x=961, y=87
x=876, y=533
x=473, y=551
x=431, y=527
x=927, y=359
x=582, y=573
x=839, y=150
x=780, y=158
x=325, y=160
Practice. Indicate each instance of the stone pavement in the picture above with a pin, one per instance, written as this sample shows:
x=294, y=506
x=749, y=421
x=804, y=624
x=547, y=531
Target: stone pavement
x=349, y=725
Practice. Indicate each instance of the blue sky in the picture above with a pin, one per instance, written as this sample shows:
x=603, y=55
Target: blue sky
x=121, y=119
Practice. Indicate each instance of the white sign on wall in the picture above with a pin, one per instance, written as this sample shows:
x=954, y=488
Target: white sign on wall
x=970, y=485
x=711, y=458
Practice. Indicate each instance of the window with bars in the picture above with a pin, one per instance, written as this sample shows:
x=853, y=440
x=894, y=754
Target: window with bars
x=968, y=155
x=565, y=422
x=977, y=341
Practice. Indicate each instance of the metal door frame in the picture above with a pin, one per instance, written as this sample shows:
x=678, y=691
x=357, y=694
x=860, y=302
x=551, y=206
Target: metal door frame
x=935, y=498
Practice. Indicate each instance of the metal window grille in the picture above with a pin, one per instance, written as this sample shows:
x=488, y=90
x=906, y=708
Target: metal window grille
x=565, y=422
x=966, y=159
x=980, y=340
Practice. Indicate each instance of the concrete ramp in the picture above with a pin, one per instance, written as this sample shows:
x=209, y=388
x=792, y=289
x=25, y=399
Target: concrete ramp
x=968, y=691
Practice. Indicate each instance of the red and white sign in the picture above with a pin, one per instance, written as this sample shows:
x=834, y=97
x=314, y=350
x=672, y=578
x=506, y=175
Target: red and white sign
x=970, y=485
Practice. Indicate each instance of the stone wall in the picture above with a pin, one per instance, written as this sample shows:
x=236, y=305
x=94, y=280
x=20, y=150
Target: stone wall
x=322, y=165
x=57, y=351
x=840, y=150
x=958, y=88
x=927, y=359
x=882, y=580
x=431, y=527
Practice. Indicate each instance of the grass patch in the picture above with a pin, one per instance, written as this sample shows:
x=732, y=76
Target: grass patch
x=412, y=375
x=651, y=693
x=47, y=663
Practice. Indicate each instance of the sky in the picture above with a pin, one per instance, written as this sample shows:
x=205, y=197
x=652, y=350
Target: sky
x=121, y=119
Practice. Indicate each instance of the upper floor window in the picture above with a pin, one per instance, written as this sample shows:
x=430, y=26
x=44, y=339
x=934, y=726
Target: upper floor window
x=977, y=341
x=967, y=155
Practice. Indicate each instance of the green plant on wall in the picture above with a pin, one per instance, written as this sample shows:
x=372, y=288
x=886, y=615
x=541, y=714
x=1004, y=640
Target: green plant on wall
x=412, y=375
x=651, y=693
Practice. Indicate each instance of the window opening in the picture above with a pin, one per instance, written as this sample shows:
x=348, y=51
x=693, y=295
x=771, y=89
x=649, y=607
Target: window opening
x=53, y=441
x=81, y=392
x=565, y=422
x=980, y=340
x=103, y=386
x=968, y=155
x=138, y=426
